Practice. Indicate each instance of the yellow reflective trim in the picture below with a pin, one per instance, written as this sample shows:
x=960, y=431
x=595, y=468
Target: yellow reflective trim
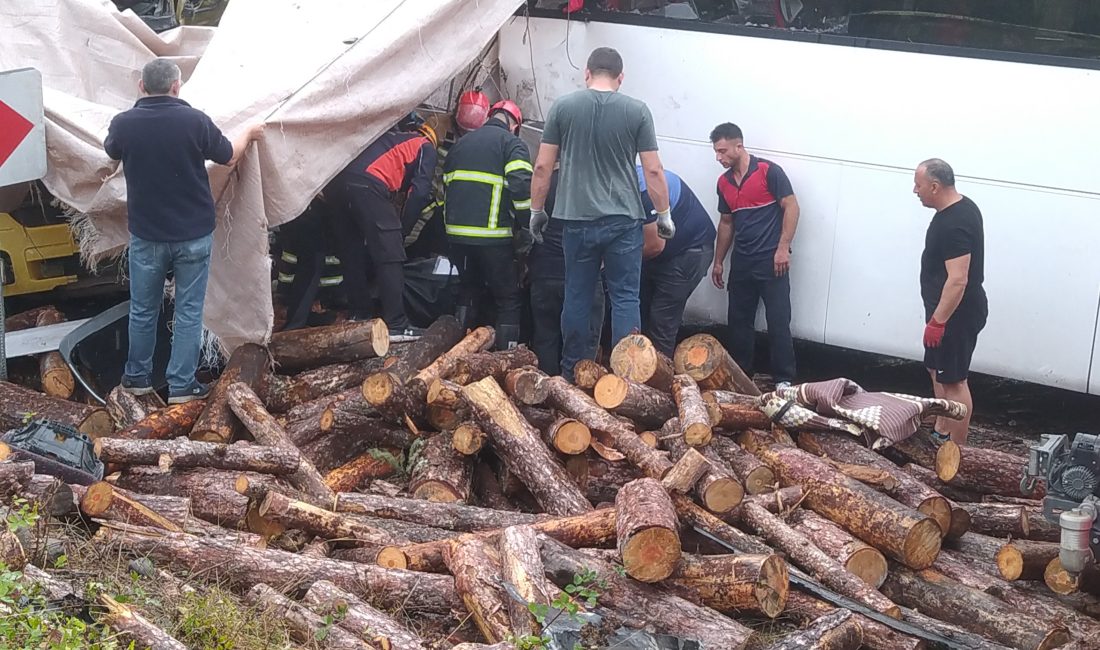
x=474, y=231
x=290, y=257
x=332, y=282
x=477, y=177
x=516, y=165
x=286, y=277
x=332, y=259
x=522, y=205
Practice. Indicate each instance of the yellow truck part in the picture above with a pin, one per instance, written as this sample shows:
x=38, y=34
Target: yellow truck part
x=36, y=258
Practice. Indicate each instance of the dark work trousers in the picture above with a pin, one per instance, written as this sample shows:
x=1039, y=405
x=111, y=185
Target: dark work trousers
x=666, y=286
x=747, y=286
x=490, y=268
x=305, y=239
x=371, y=246
x=547, y=299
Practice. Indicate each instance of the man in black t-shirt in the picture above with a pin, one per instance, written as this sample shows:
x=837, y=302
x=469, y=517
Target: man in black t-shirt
x=952, y=270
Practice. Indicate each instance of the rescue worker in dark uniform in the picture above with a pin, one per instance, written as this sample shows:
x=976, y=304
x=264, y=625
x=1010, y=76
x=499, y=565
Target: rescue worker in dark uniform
x=370, y=229
x=306, y=267
x=487, y=209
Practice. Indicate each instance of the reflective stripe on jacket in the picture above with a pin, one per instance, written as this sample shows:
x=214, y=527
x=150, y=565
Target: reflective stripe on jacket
x=487, y=176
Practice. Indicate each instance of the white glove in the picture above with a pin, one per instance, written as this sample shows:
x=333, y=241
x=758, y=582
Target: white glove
x=665, y=228
x=539, y=221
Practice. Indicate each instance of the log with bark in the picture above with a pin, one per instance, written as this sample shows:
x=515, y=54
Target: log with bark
x=452, y=516
x=266, y=430
x=127, y=620
x=372, y=464
x=1064, y=583
x=950, y=601
x=958, y=635
x=104, y=501
x=587, y=373
x=986, y=471
x=526, y=385
x=521, y=568
x=322, y=346
x=705, y=360
x=305, y=626
x=636, y=358
x=15, y=475
x=647, y=530
x=26, y=319
x=644, y=606
x=437, y=472
x=695, y=424
x=897, y=530
x=348, y=414
x=303, y=422
x=248, y=364
x=642, y=403
x=475, y=565
x=331, y=450
x=718, y=490
x=385, y=389
x=960, y=517
x=859, y=558
x=182, y=452
x=56, y=378
x=213, y=493
x=480, y=365
x=468, y=438
x=805, y=609
x=170, y=422
x=997, y=519
x=127, y=409
x=285, y=393
x=475, y=341
x=18, y=403
x=734, y=415
x=520, y=446
x=360, y=618
x=1023, y=559
x=755, y=476
x=733, y=584
x=51, y=495
x=333, y=526
x=839, y=630
x=783, y=502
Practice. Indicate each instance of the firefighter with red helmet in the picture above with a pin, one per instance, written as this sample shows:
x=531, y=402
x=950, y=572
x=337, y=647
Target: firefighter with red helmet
x=487, y=210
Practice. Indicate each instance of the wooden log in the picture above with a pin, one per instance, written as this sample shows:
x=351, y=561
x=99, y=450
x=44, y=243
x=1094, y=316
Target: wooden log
x=917, y=449
x=735, y=417
x=635, y=357
x=475, y=565
x=12, y=553
x=525, y=384
x=718, y=490
x=250, y=410
x=960, y=517
x=18, y=403
x=127, y=409
x=445, y=393
x=26, y=319
x=755, y=476
x=54, y=374
x=839, y=630
x=643, y=605
x=333, y=526
x=901, y=532
x=383, y=387
x=213, y=493
x=1023, y=559
x=374, y=464
x=348, y=414
x=331, y=450
x=15, y=475
x=647, y=530
x=733, y=584
x=644, y=404
x=322, y=346
x=520, y=447
x=305, y=626
x=170, y=422
x=475, y=341
x=360, y=618
x=104, y=501
x=587, y=373
x=802, y=551
x=178, y=510
x=480, y=365
x=703, y=358
x=285, y=393
x=140, y=630
x=241, y=456
x=860, y=559
x=437, y=472
x=782, y=502
x=907, y=490
x=468, y=438
x=248, y=364
x=948, y=600
x=521, y=567
x=997, y=519
x=452, y=516
x=1063, y=583
x=51, y=495
x=303, y=422
x=986, y=471
x=686, y=472
x=694, y=417
x=805, y=608
x=567, y=436
x=957, y=634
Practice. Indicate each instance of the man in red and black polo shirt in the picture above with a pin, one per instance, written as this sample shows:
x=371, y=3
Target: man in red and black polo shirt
x=759, y=216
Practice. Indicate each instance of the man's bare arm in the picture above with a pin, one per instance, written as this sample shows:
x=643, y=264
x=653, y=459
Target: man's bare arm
x=721, y=249
x=958, y=272
x=655, y=181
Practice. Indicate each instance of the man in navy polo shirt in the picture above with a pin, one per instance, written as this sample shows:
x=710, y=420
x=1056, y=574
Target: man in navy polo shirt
x=759, y=214
x=671, y=269
x=164, y=144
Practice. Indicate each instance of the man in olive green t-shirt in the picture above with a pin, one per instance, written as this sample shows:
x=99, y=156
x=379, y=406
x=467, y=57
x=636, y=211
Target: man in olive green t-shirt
x=598, y=133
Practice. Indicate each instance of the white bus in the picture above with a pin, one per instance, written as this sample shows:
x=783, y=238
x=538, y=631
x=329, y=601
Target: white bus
x=849, y=102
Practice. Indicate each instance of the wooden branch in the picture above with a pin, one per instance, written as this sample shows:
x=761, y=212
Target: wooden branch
x=333, y=526
x=694, y=417
x=305, y=626
x=127, y=620
x=169, y=422
x=360, y=618
x=249, y=365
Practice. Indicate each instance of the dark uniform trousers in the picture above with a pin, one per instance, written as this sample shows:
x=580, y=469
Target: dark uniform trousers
x=305, y=239
x=547, y=299
x=748, y=284
x=491, y=268
x=666, y=286
x=371, y=246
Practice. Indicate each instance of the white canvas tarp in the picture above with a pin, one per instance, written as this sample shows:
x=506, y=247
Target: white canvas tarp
x=326, y=78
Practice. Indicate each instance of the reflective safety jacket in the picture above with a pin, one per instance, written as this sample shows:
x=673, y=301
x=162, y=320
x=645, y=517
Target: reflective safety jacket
x=487, y=180
x=405, y=164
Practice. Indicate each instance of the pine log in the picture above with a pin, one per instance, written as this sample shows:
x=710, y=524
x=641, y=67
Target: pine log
x=635, y=357
x=960, y=636
x=305, y=626
x=104, y=501
x=477, y=571
x=917, y=449
x=333, y=526
x=332, y=450
x=303, y=422
x=997, y=519
x=170, y=422
x=521, y=567
x=480, y=365
x=986, y=471
x=27, y=319
x=860, y=559
x=348, y=414
x=686, y=472
x=694, y=417
x=593, y=528
x=703, y=358
x=805, y=608
x=129, y=622
x=54, y=374
x=526, y=385
x=901, y=532
x=382, y=388
x=733, y=584
x=181, y=452
x=839, y=630
x=803, y=552
x=567, y=436
x=693, y=516
x=1063, y=583
x=322, y=346
x=520, y=447
x=443, y=366
x=908, y=490
x=718, y=490
x=124, y=408
x=374, y=464
x=782, y=502
x=437, y=472
x=178, y=510
x=213, y=493
x=960, y=517
x=756, y=477
x=1023, y=559
x=248, y=364
x=643, y=605
x=360, y=618
x=285, y=393
x=15, y=475
x=735, y=417
x=51, y=495
x=948, y=600
x=250, y=410
x=647, y=530
x=587, y=373
x=468, y=438
x=18, y=403
x=644, y=404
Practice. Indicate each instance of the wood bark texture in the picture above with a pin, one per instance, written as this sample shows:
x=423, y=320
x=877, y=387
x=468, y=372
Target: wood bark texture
x=707, y=362
x=635, y=357
x=17, y=403
x=248, y=364
x=438, y=473
x=647, y=530
x=322, y=346
x=170, y=422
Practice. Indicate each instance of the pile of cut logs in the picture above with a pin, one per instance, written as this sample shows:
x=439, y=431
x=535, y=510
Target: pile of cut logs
x=331, y=471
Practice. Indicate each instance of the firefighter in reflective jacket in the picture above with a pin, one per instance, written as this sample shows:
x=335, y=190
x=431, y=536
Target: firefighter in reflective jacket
x=487, y=209
x=370, y=229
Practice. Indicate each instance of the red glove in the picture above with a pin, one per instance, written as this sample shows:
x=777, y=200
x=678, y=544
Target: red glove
x=933, y=333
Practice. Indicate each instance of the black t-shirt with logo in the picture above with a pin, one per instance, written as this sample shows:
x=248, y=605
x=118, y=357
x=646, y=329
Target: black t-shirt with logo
x=955, y=231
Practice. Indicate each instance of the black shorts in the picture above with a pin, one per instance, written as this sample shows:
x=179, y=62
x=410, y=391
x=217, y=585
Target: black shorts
x=951, y=360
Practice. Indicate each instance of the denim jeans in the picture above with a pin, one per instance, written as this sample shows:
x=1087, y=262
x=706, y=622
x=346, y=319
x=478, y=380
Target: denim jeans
x=615, y=243
x=150, y=262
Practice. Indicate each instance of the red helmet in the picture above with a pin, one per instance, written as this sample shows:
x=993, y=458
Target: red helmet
x=472, y=111
x=509, y=107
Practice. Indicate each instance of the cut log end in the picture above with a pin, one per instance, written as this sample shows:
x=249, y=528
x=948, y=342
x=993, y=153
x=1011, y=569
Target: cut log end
x=723, y=495
x=468, y=438
x=571, y=437
x=610, y=391
x=392, y=557
x=948, y=460
x=869, y=565
x=649, y=438
x=939, y=509
x=698, y=434
x=772, y=586
x=98, y=424
x=438, y=492
x=922, y=544
x=651, y=554
x=97, y=499
x=960, y=523
x=379, y=388
x=759, y=480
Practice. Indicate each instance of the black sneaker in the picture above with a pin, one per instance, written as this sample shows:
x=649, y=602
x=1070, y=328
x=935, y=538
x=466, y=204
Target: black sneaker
x=137, y=385
x=193, y=392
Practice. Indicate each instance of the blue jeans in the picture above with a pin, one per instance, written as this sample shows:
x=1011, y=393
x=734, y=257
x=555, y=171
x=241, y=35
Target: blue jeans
x=615, y=243
x=150, y=262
